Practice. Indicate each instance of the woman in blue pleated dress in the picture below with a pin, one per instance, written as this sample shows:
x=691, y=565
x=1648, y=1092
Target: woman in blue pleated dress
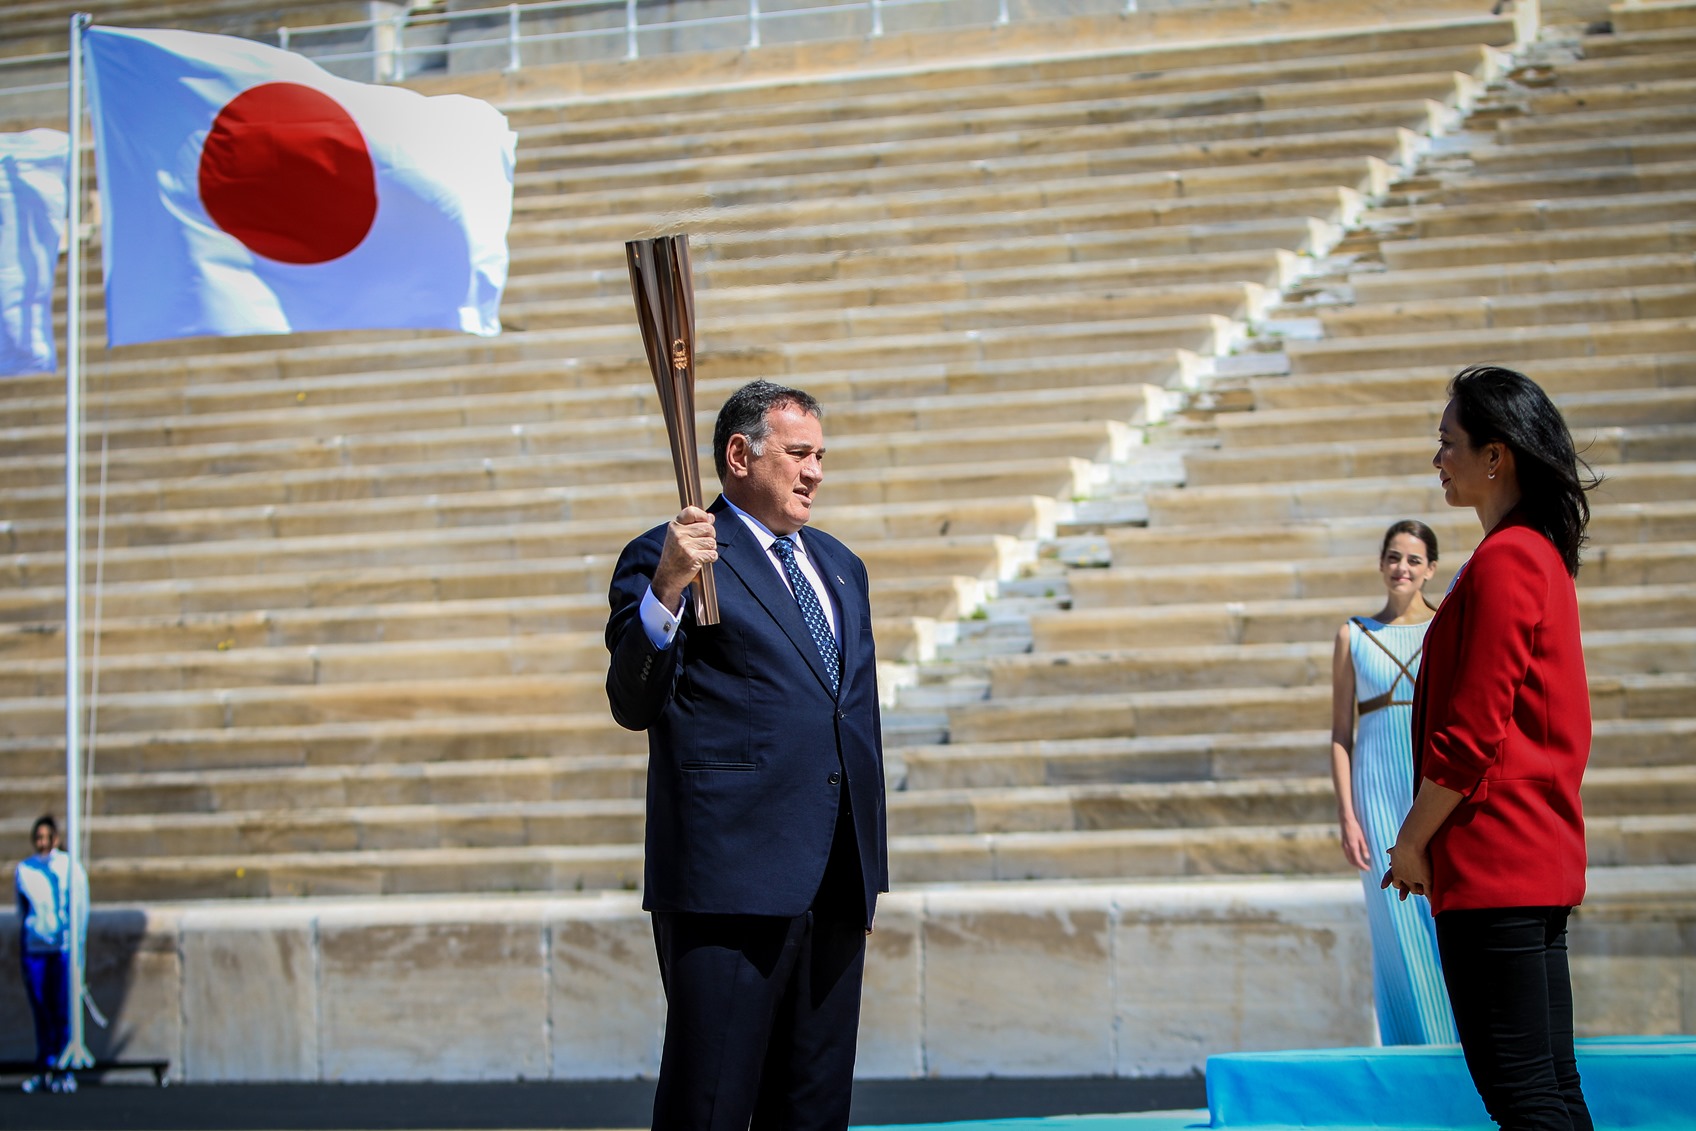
x=1372, y=674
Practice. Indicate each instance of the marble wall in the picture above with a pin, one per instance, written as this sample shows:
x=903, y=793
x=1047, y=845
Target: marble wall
x=1005, y=979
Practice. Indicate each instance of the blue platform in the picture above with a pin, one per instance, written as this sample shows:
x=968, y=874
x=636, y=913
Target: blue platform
x=1630, y=1083
x=1640, y=1083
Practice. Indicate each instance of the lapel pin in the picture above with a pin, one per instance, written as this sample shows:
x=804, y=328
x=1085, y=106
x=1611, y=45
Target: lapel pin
x=839, y=580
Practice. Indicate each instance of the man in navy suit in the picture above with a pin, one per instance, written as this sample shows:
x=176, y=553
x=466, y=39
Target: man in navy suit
x=766, y=843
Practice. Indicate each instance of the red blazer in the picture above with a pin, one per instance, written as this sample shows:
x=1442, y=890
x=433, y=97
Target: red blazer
x=1501, y=713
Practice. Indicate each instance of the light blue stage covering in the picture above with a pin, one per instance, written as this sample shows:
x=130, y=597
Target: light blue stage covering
x=1630, y=1083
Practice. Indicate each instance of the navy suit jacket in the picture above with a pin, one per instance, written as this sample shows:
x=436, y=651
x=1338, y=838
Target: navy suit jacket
x=748, y=749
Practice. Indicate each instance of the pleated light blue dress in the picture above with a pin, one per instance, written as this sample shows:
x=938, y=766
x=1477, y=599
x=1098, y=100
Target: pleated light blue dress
x=1407, y=976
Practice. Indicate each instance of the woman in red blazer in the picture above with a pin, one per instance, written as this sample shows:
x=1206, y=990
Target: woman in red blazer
x=1501, y=734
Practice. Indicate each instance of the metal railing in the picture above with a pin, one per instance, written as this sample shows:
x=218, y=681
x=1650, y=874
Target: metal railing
x=395, y=48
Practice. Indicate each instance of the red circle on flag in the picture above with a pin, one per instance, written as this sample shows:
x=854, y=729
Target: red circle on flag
x=286, y=171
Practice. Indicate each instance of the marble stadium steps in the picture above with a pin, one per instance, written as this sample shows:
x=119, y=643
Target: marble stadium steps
x=985, y=84
x=1062, y=183
x=1252, y=756
x=1619, y=744
x=1242, y=617
x=935, y=813
x=1410, y=494
x=1198, y=257
x=1118, y=138
x=1621, y=536
x=502, y=510
x=1300, y=665
x=251, y=687
x=944, y=833
x=1638, y=696
x=1092, y=841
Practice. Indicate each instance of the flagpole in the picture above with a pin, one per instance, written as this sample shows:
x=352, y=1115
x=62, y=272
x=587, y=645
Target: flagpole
x=75, y=1054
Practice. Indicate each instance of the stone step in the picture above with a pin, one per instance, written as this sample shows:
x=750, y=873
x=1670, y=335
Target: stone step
x=1221, y=757
x=1557, y=224
x=1484, y=248
x=317, y=665
x=183, y=484
x=503, y=510
x=974, y=214
x=1430, y=383
x=1525, y=345
x=1643, y=146
x=1620, y=744
x=1658, y=178
x=1028, y=81
x=1239, y=621
x=867, y=251
x=1380, y=457
x=1100, y=331
x=1051, y=157
x=1016, y=516
x=444, y=739
x=1105, y=670
x=1658, y=41
x=1396, y=421
x=1265, y=52
x=1599, y=303
x=243, y=708
x=1619, y=96
x=1405, y=494
x=1605, y=70
x=1285, y=849
x=1578, y=125
x=580, y=582
x=301, y=363
x=1523, y=278
x=944, y=134
x=1618, y=531
x=1082, y=809
x=158, y=795
x=1132, y=714
x=857, y=410
x=1634, y=18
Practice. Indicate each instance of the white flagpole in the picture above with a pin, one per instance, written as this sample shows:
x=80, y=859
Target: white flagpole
x=76, y=1053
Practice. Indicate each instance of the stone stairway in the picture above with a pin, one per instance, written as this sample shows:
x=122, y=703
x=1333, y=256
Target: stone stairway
x=354, y=586
x=1171, y=717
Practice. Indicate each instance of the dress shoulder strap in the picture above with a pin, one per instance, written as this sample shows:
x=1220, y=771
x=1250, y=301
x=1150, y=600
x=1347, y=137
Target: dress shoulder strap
x=1387, y=699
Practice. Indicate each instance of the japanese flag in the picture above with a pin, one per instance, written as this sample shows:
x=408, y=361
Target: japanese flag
x=245, y=190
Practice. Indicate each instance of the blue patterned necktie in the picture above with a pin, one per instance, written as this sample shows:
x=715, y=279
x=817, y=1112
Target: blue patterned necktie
x=811, y=612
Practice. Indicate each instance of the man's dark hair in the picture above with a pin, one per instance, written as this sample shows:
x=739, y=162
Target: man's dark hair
x=46, y=822
x=745, y=413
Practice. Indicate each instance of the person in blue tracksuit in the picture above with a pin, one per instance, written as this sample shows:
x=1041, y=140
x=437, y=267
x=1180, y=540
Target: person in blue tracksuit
x=44, y=892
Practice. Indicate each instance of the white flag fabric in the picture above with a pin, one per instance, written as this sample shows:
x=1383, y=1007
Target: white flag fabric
x=245, y=190
x=32, y=225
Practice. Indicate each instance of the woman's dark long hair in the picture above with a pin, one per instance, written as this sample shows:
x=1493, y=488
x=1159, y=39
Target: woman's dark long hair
x=1494, y=404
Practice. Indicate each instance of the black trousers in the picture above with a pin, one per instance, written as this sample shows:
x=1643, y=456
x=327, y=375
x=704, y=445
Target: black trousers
x=763, y=1014
x=1506, y=969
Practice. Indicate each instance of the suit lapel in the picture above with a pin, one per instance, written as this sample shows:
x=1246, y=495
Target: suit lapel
x=740, y=551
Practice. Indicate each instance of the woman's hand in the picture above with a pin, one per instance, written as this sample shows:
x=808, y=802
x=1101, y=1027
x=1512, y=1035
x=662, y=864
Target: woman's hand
x=1409, y=871
x=1355, y=849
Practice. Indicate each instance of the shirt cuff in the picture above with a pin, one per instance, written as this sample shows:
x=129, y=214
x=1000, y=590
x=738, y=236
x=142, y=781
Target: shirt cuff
x=658, y=621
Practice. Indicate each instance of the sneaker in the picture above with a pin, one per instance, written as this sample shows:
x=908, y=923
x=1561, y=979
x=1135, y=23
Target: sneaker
x=33, y=1084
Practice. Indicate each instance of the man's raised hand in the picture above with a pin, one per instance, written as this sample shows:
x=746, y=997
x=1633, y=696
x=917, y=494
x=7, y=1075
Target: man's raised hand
x=690, y=543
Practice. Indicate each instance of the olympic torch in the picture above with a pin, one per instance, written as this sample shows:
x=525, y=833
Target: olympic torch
x=665, y=309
